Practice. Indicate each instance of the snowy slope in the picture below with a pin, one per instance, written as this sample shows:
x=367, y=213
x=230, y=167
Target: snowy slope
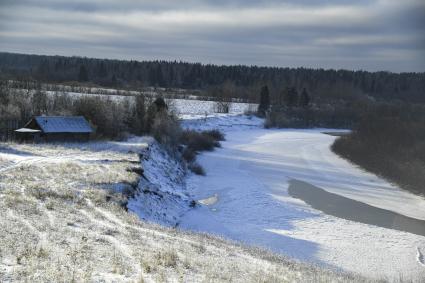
x=246, y=189
x=62, y=221
x=160, y=195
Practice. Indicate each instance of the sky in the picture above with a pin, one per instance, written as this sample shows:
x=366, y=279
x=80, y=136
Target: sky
x=369, y=35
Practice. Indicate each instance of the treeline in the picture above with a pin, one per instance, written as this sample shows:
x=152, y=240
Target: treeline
x=111, y=118
x=88, y=89
x=237, y=81
x=294, y=109
x=390, y=141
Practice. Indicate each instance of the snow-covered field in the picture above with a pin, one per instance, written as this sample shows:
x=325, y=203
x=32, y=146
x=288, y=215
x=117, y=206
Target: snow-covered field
x=244, y=197
x=63, y=219
x=184, y=108
x=193, y=109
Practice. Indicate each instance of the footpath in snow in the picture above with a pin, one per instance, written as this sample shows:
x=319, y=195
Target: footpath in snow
x=244, y=196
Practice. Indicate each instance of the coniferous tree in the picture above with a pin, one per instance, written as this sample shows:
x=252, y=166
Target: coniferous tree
x=304, y=99
x=44, y=70
x=137, y=119
x=82, y=74
x=102, y=72
x=264, y=105
x=291, y=97
x=161, y=105
x=114, y=81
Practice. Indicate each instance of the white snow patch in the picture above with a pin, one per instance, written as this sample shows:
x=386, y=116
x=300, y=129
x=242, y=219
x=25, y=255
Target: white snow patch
x=189, y=108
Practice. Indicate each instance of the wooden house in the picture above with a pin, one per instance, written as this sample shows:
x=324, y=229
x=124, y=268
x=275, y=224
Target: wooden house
x=55, y=128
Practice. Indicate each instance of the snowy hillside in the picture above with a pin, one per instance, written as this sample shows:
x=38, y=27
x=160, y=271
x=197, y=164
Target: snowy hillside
x=161, y=195
x=63, y=219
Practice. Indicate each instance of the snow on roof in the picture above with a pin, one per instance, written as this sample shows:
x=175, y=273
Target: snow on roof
x=62, y=124
x=26, y=130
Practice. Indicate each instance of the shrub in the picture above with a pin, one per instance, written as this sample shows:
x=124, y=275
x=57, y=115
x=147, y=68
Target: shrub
x=189, y=154
x=167, y=258
x=107, y=116
x=198, y=141
x=196, y=168
x=166, y=129
x=215, y=134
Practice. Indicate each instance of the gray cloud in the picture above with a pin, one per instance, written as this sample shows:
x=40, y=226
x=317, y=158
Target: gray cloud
x=365, y=34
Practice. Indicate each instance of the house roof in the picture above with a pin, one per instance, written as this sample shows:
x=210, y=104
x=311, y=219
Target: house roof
x=63, y=124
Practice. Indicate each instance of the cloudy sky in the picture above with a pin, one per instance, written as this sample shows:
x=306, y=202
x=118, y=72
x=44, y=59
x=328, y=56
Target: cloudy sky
x=349, y=34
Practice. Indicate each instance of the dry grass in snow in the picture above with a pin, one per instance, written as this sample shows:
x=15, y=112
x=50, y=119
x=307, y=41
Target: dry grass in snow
x=63, y=219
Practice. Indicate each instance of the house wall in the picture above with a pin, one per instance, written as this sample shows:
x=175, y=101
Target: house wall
x=65, y=137
x=53, y=137
x=27, y=137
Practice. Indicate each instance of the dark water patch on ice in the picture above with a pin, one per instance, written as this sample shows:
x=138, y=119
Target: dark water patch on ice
x=342, y=207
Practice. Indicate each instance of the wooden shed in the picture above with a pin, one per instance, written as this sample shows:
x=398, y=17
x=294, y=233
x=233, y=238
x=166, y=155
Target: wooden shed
x=55, y=128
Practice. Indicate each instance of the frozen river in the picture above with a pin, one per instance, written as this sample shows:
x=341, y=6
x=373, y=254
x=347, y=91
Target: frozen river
x=245, y=197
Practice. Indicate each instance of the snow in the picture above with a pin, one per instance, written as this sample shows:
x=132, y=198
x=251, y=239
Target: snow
x=161, y=194
x=224, y=122
x=244, y=197
x=26, y=130
x=189, y=108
